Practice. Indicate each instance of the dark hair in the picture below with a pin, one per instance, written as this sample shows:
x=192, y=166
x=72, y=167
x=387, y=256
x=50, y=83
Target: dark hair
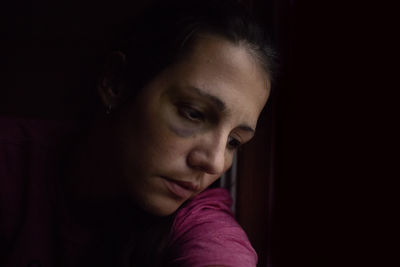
x=165, y=32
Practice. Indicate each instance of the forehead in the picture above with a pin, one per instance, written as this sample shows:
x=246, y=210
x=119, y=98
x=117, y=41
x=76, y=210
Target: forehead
x=227, y=71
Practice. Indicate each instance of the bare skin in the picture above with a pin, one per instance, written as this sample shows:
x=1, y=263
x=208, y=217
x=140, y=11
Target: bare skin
x=180, y=134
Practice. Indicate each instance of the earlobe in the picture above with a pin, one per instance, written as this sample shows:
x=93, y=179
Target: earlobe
x=110, y=86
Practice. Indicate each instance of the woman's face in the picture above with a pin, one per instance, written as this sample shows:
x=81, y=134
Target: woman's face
x=180, y=133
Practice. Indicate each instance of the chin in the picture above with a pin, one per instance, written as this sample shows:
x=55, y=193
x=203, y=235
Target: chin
x=161, y=206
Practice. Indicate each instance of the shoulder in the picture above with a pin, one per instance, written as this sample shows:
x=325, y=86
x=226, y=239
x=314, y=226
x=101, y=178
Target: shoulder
x=205, y=233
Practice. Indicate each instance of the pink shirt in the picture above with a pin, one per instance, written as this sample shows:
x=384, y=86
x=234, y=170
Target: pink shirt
x=204, y=231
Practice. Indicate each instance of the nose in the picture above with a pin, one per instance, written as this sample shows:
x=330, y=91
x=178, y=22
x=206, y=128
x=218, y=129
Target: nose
x=209, y=155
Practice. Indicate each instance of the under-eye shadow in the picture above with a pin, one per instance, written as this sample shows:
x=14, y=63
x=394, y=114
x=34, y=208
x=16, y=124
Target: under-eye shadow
x=180, y=130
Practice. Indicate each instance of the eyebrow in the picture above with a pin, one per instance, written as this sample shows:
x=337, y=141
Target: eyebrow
x=218, y=102
x=247, y=128
x=221, y=106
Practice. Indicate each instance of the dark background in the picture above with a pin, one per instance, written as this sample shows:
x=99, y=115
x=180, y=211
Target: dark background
x=310, y=191
x=320, y=167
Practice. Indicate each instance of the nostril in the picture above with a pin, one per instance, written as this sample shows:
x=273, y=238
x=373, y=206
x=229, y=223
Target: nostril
x=202, y=162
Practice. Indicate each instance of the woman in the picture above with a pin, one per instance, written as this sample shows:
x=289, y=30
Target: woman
x=181, y=92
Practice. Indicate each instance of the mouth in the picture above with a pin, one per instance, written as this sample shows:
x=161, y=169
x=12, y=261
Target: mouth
x=180, y=189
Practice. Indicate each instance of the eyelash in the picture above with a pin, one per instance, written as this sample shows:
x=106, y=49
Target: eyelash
x=233, y=143
x=196, y=116
x=191, y=114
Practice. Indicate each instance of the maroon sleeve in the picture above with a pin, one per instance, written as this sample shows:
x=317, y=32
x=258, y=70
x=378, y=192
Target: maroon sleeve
x=27, y=165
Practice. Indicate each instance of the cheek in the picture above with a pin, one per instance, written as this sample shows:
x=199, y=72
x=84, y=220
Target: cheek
x=164, y=139
x=175, y=126
x=178, y=125
x=228, y=162
x=180, y=130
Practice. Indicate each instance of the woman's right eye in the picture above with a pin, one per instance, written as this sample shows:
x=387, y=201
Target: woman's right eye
x=191, y=114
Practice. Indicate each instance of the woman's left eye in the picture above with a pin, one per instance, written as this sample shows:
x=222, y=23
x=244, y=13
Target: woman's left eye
x=233, y=143
x=191, y=114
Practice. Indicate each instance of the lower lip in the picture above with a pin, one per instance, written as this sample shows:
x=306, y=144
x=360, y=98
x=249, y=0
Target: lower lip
x=178, y=190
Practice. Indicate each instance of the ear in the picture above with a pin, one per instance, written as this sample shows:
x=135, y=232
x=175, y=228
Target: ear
x=111, y=84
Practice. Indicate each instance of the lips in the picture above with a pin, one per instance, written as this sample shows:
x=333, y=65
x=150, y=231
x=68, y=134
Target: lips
x=181, y=189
